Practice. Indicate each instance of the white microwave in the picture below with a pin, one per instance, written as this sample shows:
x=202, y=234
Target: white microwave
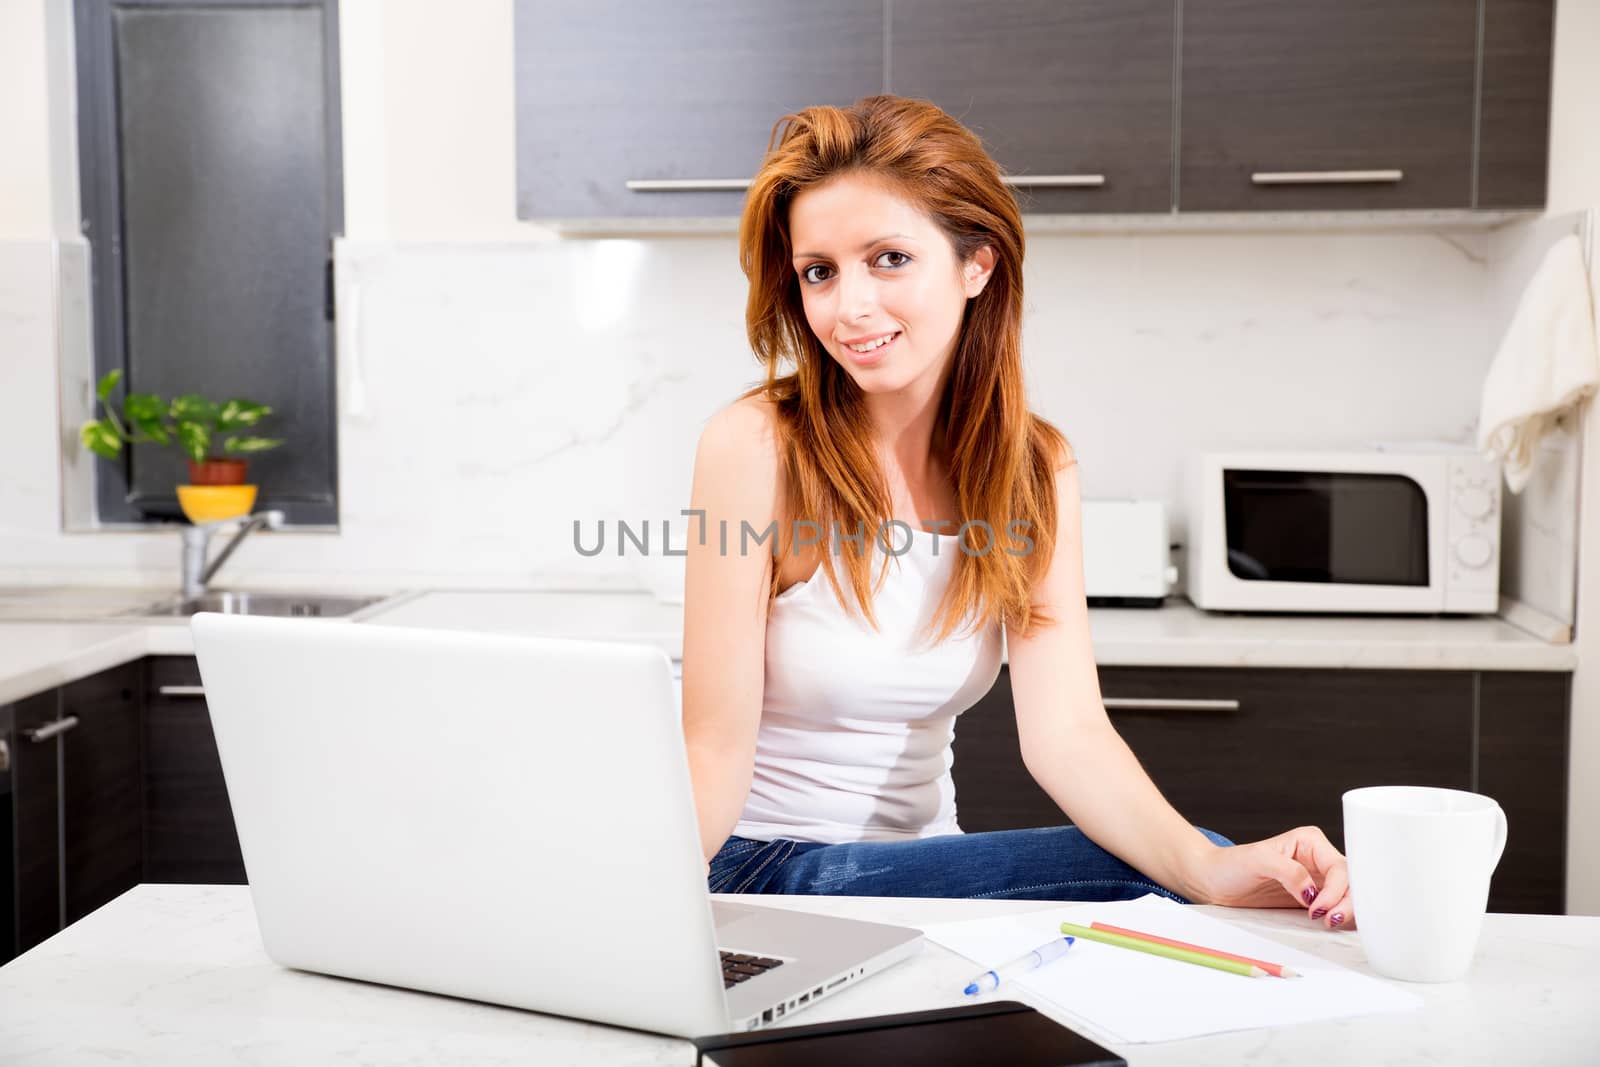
x=1403, y=531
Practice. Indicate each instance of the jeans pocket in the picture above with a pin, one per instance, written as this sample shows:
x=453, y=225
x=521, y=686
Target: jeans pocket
x=730, y=860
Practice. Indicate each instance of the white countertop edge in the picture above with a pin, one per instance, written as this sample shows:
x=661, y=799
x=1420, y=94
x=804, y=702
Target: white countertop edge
x=176, y=974
x=1314, y=655
x=176, y=641
x=84, y=657
x=1175, y=636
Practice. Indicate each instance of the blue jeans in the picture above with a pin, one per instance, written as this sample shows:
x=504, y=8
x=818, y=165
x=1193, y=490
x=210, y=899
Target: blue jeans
x=1049, y=863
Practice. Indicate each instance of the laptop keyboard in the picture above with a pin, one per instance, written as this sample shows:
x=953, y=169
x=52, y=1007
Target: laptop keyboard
x=741, y=967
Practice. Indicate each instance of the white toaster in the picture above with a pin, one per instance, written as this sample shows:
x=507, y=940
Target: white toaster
x=1127, y=557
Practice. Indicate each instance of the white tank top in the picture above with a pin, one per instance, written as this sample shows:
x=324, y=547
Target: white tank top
x=856, y=724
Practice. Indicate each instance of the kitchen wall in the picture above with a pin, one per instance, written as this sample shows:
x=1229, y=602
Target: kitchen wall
x=1574, y=184
x=497, y=383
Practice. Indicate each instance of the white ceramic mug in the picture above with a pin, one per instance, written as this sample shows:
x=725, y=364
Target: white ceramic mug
x=1420, y=860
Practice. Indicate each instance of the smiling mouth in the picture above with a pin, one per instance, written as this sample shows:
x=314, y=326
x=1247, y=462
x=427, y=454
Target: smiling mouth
x=872, y=355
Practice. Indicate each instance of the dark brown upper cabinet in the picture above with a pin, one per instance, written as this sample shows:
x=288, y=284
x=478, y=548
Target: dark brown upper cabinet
x=1292, y=105
x=1514, y=111
x=615, y=97
x=1073, y=100
x=663, y=111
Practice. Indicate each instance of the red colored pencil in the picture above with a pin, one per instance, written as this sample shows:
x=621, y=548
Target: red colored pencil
x=1271, y=968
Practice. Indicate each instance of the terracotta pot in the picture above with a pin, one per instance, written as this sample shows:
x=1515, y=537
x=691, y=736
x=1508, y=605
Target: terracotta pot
x=217, y=471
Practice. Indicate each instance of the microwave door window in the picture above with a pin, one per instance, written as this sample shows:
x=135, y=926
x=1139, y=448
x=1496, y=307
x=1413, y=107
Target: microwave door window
x=1326, y=527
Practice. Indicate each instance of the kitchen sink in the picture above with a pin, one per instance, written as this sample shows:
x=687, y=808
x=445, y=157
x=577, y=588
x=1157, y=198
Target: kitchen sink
x=284, y=605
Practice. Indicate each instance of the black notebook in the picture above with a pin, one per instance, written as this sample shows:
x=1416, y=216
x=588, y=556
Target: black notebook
x=1002, y=1031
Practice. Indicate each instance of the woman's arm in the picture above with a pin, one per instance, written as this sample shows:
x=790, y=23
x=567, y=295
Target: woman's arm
x=725, y=612
x=1079, y=759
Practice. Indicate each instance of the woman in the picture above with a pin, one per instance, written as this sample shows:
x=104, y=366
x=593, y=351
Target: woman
x=872, y=521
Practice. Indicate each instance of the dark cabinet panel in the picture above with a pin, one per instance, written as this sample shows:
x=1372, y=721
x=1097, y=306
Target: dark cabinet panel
x=1276, y=105
x=610, y=92
x=1297, y=740
x=74, y=814
x=1273, y=87
x=1514, y=117
x=994, y=791
x=189, y=832
x=101, y=789
x=35, y=783
x=1226, y=770
x=1522, y=763
x=1052, y=88
x=8, y=838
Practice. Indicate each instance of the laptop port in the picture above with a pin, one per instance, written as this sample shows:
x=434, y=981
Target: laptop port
x=805, y=998
x=766, y=1016
x=817, y=992
x=779, y=1012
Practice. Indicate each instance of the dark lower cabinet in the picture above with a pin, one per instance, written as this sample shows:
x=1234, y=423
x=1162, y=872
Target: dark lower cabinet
x=1522, y=762
x=1251, y=753
x=101, y=784
x=36, y=798
x=74, y=821
x=188, y=822
x=115, y=779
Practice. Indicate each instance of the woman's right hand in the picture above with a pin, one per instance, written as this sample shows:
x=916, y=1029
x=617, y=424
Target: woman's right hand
x=1299, y=868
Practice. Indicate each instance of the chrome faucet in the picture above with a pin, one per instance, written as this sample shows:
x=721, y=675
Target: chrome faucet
x=197, y=539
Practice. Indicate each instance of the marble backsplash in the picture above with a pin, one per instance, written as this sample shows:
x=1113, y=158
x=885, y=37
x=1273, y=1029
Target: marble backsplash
x=493, y=394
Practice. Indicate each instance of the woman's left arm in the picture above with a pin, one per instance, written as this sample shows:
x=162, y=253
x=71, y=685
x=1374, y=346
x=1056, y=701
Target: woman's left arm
x=1079, y=759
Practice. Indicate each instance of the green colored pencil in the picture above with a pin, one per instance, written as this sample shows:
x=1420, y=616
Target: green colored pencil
x=1088, y=933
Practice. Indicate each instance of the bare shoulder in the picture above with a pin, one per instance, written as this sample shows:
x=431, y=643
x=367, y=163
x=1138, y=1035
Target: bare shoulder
x=737, y=465
x=741, y=441
x=750, y=421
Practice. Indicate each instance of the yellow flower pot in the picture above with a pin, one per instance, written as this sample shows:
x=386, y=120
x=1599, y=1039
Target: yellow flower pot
x=212, y=503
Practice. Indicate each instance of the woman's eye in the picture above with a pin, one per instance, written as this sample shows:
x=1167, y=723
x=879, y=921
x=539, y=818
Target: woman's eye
x=901, y=260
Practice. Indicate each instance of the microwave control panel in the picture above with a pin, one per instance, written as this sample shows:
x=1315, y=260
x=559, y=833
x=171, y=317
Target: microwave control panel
x=1472, y=552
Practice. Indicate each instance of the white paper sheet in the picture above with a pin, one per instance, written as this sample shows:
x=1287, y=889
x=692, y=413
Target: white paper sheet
x=1134, y=997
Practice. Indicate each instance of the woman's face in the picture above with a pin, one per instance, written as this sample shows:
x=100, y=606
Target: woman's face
x=873, y=267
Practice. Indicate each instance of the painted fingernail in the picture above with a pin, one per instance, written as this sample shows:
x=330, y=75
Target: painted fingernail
x=1319, y=913
x=1338, y=917
x=1309, y=895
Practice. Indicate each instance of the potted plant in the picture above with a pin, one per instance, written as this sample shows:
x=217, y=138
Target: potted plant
x=204, y=431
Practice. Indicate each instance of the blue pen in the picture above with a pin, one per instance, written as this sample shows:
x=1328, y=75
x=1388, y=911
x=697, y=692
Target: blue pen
x=1050, y=950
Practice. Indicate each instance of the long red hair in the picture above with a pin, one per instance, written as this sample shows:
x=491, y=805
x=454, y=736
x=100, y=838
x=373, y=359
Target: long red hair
x=1002, y=458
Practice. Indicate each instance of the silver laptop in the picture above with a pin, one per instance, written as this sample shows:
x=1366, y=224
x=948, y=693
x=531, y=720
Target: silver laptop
x=506, y=819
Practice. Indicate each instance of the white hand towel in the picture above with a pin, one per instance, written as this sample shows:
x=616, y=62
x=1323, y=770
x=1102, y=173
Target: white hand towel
x=1548, y=362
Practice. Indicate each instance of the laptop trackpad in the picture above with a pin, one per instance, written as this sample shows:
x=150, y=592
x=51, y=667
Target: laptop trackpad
x=739, y=926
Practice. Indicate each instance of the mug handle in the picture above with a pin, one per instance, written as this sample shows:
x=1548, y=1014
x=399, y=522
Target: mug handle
x=1499, y=837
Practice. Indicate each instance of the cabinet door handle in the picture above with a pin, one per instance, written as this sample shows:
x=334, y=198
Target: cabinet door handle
x=1168, y=704
x=1028, y=180
x=1319, y=177
x=686, y=185
x=182, y=690
x=51, y=729
x=5, y=755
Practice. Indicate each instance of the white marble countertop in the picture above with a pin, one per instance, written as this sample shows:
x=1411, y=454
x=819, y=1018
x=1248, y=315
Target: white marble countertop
x=176, y=975
x=37, y=653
